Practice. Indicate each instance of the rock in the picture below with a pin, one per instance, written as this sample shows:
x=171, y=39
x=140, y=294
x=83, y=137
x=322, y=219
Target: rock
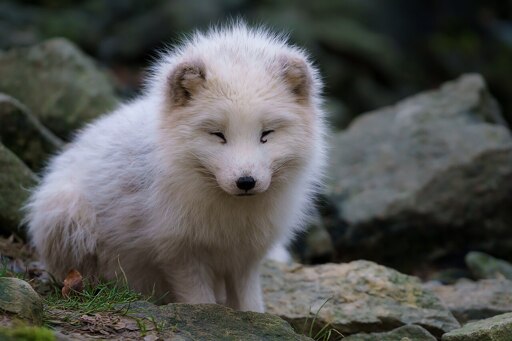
x=16, y=180
x=485, y=266
x=18, y=297
x=23, y=134
x=405, y=333
x=357, y=297
x=497, y=328
x=468, y=300
x=60, y=84
x=404, y=177
x=213, y=322
x=30, y=333
x=447, y=275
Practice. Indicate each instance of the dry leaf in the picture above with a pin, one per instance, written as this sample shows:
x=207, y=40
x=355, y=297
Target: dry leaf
x=73, y=283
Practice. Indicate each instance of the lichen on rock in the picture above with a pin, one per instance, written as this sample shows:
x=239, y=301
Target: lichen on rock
x=356, y=297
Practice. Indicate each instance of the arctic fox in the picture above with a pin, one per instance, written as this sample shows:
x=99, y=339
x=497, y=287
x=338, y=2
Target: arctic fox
x=185, y=189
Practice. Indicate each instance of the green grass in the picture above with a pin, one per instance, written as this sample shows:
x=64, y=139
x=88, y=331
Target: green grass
x=5, y=272
x=103, y=297
x=326, y=333
x=98, y=298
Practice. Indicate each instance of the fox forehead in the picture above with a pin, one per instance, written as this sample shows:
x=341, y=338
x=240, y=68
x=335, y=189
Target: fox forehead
x=212, y=118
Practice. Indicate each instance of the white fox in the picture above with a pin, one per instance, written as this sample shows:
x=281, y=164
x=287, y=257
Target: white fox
x=185, y=189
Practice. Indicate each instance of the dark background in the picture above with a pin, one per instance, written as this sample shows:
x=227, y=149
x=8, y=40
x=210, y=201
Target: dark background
x=371, y=53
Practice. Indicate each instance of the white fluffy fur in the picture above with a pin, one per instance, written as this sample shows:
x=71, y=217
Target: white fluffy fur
x=149, y=192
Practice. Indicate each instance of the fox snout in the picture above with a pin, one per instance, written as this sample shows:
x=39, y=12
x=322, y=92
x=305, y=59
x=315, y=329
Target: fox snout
x=244, y=183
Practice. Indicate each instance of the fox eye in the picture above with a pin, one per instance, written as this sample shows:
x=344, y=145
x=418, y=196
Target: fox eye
x=220, y=135
x=264, y=134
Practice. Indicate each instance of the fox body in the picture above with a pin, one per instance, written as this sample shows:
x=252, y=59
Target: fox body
x=184, y=190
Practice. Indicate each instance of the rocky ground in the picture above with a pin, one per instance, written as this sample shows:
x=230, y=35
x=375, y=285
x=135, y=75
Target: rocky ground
x=423, y=187
x=360, y=300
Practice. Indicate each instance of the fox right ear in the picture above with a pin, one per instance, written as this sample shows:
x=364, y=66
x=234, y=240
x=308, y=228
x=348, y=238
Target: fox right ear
x=185, y=81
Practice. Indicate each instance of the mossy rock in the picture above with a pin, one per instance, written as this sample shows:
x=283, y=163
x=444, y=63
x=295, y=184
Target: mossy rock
x=24, y=134
x=27, y=333
x=18, y=297
x=61, y=85
x=484, y=266
x=16, y=180
x=497, y=328
x=214, y=322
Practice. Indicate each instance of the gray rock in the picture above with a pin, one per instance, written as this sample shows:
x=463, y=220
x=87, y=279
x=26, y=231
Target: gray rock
x=23, y=134
x=213, y=322
x=485, y=266
x=497, y=328
x=404, y=177
x=357, y=297
x=405, y=333
x=16, y=179
x=468, y=300
x=18, y=297
x=60, y=84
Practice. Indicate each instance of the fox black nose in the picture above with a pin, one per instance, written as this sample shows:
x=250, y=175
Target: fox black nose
x=246, y=183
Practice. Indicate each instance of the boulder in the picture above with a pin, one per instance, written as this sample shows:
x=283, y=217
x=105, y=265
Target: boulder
x=405, y=333
x=212, y=322
x=23, y=134
x=428, y=178
x=18, y=297
x=497, y=328
x=60, y=84
x=358, y=297
x=468, y=300
x=16, y=180
x=483, y=266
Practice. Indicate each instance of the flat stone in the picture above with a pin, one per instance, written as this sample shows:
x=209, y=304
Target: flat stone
x=468, y=300
x=213, y=322
x=497, y=328
x=405, y=333
x=357, y=297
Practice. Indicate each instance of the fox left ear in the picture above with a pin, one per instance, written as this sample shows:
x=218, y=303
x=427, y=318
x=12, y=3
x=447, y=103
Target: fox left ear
x=297, y=76
x=185, y=81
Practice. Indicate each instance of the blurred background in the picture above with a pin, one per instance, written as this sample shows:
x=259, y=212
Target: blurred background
x=371, y=53
x=419, y=203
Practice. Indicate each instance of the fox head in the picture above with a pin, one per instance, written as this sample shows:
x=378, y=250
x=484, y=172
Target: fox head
x=244, y=122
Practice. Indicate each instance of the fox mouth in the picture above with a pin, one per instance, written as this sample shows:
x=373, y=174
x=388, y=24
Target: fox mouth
x=245, y=194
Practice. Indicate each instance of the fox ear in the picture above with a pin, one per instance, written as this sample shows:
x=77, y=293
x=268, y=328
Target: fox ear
x=297, y=76
x=185, y=81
